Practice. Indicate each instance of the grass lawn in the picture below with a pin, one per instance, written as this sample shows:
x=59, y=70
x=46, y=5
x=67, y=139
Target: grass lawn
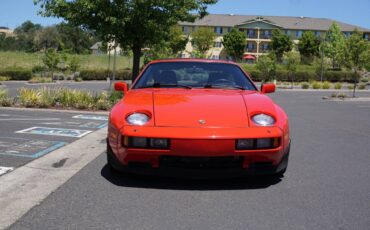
x=87, y=62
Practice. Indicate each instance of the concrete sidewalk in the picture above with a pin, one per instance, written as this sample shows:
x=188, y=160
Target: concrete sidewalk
x=29, y=185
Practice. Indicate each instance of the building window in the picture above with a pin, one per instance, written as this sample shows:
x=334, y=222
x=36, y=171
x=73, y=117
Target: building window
x=185, y=29
x=317, y=33
x=251, y=46
x=366, y=36
x=215, y=57
x=251, y=33
x=218, y=30
x=298, y=33
x=229, y=29
x=347, y=34
x=288, y=32
x=218, y=44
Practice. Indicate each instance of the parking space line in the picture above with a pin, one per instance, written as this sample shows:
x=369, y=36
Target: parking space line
x=91, y=117
x=102, y=125
x=38, y=154
x=4, y=170
x=55, y=132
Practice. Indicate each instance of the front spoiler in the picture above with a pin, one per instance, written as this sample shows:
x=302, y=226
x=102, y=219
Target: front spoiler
x=146, y=169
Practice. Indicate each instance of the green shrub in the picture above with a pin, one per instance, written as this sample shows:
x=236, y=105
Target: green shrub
x=3, y=78
x=333, y=95
x=38, y=69
x=326, y=85
x=17, y=74
x=93, y=75
x=78, y=79
x=316, y=85
x=305, y=85
x=350, y=87
x=29, y=97
x=342, y=95
x=362, y=86
x=365, y=79
x=304, y=75
x=338, y=85
x=37, y=79
x=48, y=97
x=5, y=100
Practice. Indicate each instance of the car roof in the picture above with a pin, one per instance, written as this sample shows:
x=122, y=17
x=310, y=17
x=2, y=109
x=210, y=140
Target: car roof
x=192, y=60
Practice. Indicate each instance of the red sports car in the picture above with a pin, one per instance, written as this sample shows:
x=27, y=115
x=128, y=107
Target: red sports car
x=197, y=117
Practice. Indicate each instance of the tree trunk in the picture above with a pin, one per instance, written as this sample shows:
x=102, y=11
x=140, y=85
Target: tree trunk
x=136, y=62
x=355, y=84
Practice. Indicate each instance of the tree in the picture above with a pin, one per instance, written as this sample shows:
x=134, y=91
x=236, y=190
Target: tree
x=75, y=39
x=51, y=60
x=176, y=40
x=25, y=36
x=308, y=46
x=356, y=55
x=47, y=38
x=132, y=23
x=335, y=45
x=234, y=43
x=291, y=61
x=174, y=43
x=203, y=39
x=267, y=66
x=280, y=43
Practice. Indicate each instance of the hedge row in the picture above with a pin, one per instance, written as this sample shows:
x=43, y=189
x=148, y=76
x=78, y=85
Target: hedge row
x=86, y=75
x=93, y=75
x=17, y=74
x=331, y=76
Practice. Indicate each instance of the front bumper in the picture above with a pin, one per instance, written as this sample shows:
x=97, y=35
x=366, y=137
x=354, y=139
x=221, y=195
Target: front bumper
x=198, y=151
x=189, y=171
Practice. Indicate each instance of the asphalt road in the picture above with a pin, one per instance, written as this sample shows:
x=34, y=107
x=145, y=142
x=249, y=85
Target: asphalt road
x=19, y=145
x=326, y=185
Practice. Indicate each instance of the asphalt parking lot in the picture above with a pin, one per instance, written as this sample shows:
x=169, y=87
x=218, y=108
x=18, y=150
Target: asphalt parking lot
x=326, y=185
x=30, y=134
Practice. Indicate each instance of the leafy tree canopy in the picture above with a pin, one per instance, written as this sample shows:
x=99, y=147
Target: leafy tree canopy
x=203, y=39
x=334, y=45
x=280, y=43
x=132, y=23
x=308, y=45
x=234, y=43
x=267, y=66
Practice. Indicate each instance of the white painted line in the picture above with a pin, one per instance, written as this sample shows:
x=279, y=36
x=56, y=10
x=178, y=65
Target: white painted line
x=29, y=119
x=29, y=185
x=4, y=170
x=55, y=132
x=91, y=117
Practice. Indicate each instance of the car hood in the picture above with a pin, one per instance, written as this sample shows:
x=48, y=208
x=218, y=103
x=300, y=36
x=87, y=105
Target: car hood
x=207, y=107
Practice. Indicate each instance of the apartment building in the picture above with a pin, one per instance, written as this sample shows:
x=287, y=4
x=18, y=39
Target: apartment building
x=258, y=30
x=6, y=31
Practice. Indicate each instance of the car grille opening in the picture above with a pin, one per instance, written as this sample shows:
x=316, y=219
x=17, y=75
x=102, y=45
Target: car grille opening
x=201, y=162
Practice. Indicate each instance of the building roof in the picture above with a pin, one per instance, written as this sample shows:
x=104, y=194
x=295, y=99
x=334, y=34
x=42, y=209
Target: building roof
x=96, y=46
x=292, y=23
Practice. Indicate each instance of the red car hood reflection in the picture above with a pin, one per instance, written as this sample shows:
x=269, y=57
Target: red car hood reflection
x=199, y=108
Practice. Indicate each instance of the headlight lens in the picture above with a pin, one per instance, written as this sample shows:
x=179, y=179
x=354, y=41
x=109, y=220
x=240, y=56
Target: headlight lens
x=263, y=120
x=137, y=119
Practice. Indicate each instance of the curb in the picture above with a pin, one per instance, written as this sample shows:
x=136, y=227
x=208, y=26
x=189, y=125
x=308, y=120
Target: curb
x=56, y=110
x=30, y=184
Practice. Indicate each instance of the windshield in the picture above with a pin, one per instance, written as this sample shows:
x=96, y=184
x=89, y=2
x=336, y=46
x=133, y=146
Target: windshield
x=194, y=75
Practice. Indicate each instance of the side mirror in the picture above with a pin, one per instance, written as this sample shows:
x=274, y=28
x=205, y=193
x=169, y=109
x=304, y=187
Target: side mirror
x=121, y=86
x=267, y=88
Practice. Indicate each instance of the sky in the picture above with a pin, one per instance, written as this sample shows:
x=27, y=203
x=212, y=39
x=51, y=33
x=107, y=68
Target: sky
x=356, y=12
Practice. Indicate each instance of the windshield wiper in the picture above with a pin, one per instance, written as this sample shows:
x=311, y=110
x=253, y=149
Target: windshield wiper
x=158, y=85
x=209, y=86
